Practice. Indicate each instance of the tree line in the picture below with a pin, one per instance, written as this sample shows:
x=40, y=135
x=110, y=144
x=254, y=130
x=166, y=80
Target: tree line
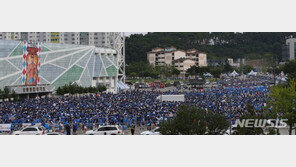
x=144, y=69
x=218, y=45
x=77, y=89
x=5, y=94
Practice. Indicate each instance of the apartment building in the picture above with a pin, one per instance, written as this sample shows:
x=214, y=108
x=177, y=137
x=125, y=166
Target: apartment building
x=289, y=50
x=98, y=39
x=183, y=64
x=202, y=60
x=162, y=56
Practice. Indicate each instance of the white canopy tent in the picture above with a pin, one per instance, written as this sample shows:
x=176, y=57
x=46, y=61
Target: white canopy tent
x=208, y=75
x=252, y=73
x=234, y=74
x=284, y=79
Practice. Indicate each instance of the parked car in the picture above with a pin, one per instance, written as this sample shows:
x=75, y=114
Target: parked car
x=31, y=130
x=154, y=131
x=106, y=130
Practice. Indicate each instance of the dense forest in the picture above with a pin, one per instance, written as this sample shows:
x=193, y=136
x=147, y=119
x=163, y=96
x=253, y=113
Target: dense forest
x=218, y=45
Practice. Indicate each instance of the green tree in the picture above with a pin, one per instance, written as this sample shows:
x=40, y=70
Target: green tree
x=193, y=71
x=223, y=44
x=283, y=102
x=133, y=74
x=246, y=69
x=1, y=94
x=193, y=121
x=6, y=92
x=175, y=71
x=227, y=68
x=216, y=71
x=290, y=69
x=77, y=89
x=216, y=123
x=250, y=114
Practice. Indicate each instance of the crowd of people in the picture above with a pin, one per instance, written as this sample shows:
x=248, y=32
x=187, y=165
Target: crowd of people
x=140, y=108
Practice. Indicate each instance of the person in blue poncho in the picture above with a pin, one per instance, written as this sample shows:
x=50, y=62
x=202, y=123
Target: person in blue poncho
x=47, y=127
x=138, y=107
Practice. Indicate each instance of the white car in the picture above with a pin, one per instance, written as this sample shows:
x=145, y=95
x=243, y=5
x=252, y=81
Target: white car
x=31, y=130
x=154, y=131
x=106, y=130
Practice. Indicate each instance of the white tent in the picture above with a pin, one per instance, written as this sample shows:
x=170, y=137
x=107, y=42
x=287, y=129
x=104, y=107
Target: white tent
x=208, y=75
x=252, y=73
x=282, y=74
x=234, y=74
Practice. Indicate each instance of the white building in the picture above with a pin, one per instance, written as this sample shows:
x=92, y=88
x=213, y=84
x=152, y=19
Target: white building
x=289, y=49
x=202, y=60
x=160, y=56
x=183, y=65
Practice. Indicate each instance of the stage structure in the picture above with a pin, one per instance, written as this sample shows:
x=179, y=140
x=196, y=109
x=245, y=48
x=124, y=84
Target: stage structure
x=48, y=66
x=118, y=44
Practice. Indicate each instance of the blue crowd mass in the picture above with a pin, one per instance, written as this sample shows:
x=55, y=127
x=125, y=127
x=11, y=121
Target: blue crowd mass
x=139, y=107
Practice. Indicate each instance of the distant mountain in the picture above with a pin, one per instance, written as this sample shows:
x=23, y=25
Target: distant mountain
x=249, y=45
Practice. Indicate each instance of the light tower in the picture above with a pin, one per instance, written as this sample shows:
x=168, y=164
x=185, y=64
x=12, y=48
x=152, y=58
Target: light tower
x=118, y=43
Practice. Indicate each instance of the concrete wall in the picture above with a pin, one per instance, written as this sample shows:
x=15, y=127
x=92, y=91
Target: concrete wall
x=202, y=59
x=151, y=58
x=187, y=64
x=179, y=54
x=168, y=58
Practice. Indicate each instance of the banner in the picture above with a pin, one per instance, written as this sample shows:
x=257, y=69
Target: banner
x=31, y=63
x=5, y=127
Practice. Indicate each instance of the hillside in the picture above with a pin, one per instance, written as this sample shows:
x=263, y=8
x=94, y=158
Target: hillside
x=218, y=45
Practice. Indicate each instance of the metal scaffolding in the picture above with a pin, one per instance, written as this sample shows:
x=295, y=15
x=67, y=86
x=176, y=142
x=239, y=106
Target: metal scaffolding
x=118, y=43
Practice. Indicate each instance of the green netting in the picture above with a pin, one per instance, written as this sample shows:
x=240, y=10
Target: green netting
x=63, y=62
x=52, y=56
x=106, y=61
x=17, y=62
x=43, y=56
x=84, y=60
x=111, y=71
x=18, y=50
x=18, y=81
x=85, y=80
x=103, y=73
x=56, y=46
x=77, y=56
x=7, y=47
x=91, y=65
x=72, y=75
x=6, y=68
x=113, y=59
x=44, y=49
x=42, y=81
x=8, y=81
